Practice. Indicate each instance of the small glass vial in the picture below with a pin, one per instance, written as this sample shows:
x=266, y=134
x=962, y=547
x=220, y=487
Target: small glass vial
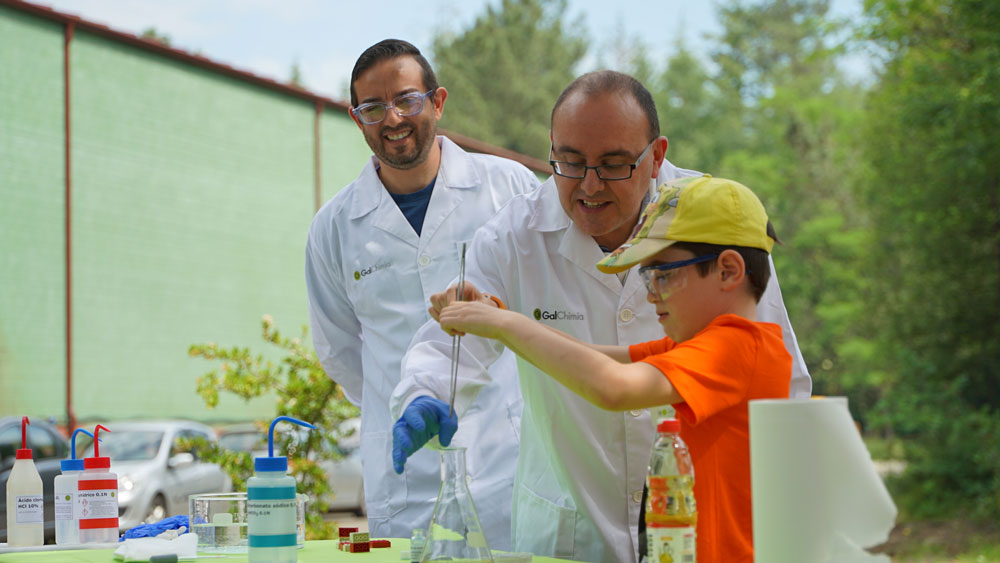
x=417, y=541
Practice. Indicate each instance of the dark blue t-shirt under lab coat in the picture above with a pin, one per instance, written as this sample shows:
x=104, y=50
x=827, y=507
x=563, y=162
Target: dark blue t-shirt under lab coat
x=414, y=206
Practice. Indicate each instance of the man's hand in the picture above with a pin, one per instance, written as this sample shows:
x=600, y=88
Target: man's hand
x=441, y=300
x=423, y=419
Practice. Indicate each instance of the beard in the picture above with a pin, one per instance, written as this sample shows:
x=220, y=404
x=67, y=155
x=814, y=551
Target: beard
x=423, y=134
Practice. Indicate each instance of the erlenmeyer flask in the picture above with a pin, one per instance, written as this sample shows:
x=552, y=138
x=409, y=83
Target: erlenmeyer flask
x=455, y=533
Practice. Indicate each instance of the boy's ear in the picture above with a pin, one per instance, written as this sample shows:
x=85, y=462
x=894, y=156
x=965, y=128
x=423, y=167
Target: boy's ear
x=731, y=269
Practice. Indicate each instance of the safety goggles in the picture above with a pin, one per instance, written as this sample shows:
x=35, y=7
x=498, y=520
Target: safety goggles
x=404, y=106
x=665, y=279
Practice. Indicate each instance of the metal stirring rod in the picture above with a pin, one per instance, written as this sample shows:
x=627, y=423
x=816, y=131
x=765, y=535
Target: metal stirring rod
x=456, y=340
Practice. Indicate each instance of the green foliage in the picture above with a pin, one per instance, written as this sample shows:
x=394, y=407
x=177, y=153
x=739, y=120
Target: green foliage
x=295, y=74
x=152, y=34
x=777, y=115
x=505, y=73
x=302, y=390
x=934, y=194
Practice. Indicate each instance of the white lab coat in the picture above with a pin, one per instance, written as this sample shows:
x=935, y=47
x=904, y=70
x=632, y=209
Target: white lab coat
x=369, y=279
x=581, y=469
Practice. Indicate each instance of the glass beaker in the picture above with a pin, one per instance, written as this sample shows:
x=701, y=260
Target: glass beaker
x=455, y=533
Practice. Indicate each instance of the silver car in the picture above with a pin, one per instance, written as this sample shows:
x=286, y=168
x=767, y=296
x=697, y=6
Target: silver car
x=155, y=474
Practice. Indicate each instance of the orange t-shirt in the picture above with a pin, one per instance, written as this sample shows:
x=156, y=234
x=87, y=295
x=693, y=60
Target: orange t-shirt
x=730, y=362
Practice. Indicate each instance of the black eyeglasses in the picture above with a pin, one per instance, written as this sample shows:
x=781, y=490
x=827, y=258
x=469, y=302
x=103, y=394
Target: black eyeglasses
x=578, y=170
x=404, y=106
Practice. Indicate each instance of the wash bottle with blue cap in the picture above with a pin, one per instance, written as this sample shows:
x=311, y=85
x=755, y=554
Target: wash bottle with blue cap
x=271, y=506
x=67, y=518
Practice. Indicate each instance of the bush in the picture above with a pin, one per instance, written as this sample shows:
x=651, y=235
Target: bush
x=302, y=390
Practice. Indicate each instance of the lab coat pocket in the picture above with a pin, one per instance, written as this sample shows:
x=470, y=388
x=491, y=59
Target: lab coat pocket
x=541, y=526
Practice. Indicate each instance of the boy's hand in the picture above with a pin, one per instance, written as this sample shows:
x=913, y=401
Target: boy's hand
x=441, y=300
x=472, y=317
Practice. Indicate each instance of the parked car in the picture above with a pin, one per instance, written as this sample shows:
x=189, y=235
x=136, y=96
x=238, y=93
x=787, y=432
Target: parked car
x=49, y=448
x=343, y=474
x=155, y=474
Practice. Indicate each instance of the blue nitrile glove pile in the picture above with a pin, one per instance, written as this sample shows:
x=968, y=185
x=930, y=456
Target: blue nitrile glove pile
x=423, y=418
x=156, y=528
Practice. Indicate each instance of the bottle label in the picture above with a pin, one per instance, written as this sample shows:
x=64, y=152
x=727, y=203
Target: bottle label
x=670, y=500
x=28, y=509
x=670, y=545
x=64, y=506
x=271, y=523
x=97, y=503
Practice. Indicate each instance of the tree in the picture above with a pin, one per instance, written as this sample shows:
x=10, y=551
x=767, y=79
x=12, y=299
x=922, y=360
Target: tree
x=778, y=116
x=295, y=74
x=505, y=73
x=934, y=195
x=153, y=35
x=686, y=101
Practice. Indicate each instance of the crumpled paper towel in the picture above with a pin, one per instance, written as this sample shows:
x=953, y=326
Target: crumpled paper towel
x=816, y=494
x=141, y=549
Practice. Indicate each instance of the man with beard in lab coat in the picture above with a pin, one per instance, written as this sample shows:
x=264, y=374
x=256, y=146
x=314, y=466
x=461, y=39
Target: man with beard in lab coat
x=374, y=255
x=581, y=469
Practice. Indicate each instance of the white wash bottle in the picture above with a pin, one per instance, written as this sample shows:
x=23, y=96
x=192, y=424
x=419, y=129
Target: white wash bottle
x=25, y=503
x=67, y=519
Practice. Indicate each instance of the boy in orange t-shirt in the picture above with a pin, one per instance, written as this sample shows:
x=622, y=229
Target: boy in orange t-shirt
x=703, y=247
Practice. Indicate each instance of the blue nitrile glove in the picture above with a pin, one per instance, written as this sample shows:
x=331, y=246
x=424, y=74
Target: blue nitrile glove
x=157, y=528
x=424, y=418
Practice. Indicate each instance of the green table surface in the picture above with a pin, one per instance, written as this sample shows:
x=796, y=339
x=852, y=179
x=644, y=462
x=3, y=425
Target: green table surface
x=320, y=551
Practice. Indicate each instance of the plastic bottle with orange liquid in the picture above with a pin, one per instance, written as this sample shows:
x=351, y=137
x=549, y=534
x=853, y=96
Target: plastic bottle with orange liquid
x=671, y=512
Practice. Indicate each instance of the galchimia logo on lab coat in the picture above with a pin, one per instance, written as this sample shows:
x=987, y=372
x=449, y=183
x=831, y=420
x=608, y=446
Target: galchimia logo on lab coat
x=358, y=274
x=555, y=315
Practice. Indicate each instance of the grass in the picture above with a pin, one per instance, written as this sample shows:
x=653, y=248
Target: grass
x=956, y=540
x=960, y=540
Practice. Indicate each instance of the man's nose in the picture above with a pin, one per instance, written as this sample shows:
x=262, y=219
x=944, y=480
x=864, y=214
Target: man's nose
x=392, y=117
x=591, y=183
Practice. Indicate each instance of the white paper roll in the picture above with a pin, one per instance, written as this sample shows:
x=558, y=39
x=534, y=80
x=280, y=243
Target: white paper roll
x=816, y=495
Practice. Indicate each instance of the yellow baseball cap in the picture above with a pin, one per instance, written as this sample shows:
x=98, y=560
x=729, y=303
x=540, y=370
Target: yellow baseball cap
x=694, y=209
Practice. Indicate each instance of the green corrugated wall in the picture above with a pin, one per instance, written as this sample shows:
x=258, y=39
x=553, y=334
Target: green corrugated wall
x=192, y=193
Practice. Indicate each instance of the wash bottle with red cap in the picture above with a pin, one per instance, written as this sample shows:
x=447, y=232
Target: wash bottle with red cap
x=67, y=519
x=25, y=502
x=271, y=506
x=97, y=497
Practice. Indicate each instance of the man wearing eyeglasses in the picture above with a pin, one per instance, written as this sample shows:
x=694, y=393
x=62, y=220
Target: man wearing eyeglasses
x=581, y=469
x=374, y=255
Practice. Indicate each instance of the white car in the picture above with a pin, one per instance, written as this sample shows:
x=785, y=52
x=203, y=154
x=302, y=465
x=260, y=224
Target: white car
x=343, y=475
x=155, y=474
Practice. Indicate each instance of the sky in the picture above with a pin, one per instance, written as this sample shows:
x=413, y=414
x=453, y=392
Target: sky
x=325, y=37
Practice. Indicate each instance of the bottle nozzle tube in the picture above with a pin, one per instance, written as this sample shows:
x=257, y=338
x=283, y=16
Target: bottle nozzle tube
x=25, y=451
x=270, y=431
x=72, y=441
x=24, y=432
x=97, y=439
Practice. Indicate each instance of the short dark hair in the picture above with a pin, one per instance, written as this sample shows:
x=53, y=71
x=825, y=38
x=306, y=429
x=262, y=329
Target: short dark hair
x=610, y=81
x=390, y=49
x=758, y=269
